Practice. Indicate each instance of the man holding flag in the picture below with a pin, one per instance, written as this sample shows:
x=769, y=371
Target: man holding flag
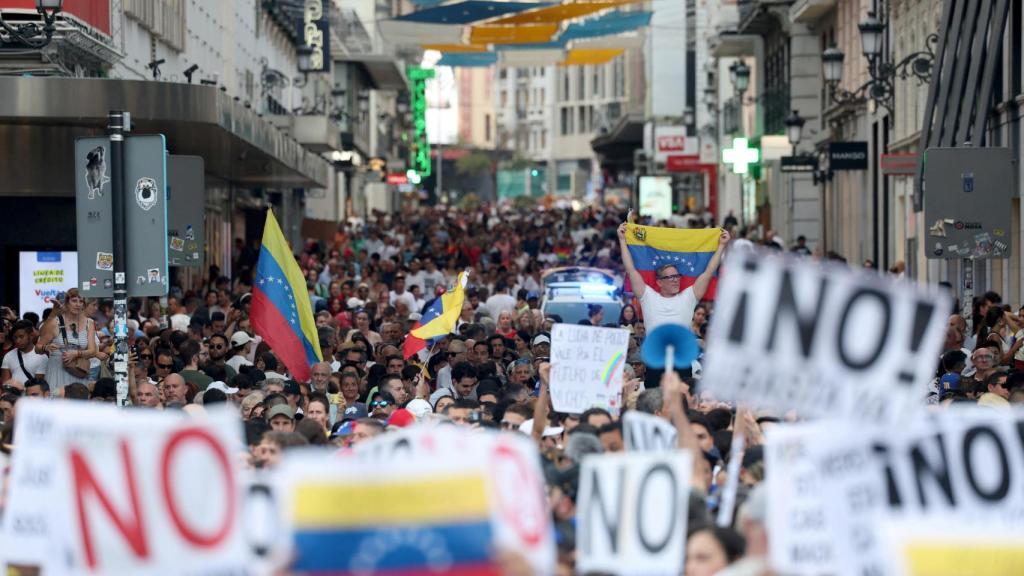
x=670, y=270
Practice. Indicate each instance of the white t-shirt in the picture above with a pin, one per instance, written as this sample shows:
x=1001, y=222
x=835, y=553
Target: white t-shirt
x=660, y=310
x=500, y=303
x=34, y=363
x=237, y=362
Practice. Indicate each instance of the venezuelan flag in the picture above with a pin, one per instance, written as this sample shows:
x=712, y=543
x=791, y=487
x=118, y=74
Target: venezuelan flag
x=438, y=524
x=689, y=250
x=280, y=311
x=438, y=320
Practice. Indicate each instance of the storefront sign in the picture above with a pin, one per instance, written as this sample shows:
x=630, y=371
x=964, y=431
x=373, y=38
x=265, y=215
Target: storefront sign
x=316, y=35
x=848, y=156
x=799, y=163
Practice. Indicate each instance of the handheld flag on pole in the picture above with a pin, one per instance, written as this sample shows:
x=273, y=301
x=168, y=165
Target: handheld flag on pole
x=439, y=318
x=689, y=250
x=281, y=312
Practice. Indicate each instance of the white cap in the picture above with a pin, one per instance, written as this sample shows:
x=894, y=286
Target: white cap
x=419, y=408
x=527, y=428
x=354, y=302
x=239, y=339
x=218, y=385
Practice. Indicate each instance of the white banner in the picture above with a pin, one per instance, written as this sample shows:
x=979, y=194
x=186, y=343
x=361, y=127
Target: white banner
x=42, y=276
x=492, y=481
x=96, y=490
x=962, y=466
x=642, y=432
x=586, y=367
x=822, y=339
x=632, y=511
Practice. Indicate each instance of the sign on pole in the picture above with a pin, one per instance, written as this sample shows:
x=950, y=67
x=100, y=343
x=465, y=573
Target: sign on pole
x=42, y=276
x=790, y=334
x=103, y=491
x=186, y=207
x=587, y=367
x=847, y=156
x=642, y=432
x=145, y=215
x=632, y=511
x=967, y=202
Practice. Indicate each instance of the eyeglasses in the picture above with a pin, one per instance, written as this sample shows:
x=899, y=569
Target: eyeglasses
x=505, y=425
x=379, y=404
x=984, y=357
x=670, y=277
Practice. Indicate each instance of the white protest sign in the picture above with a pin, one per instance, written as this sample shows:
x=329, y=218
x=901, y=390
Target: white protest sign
x=139, y=492
x=632, y=511
x=642, y=432
x=586, y=367
x=801, y=541
x=44, y=275
x=961, y=465
x=508, y=463
x=822, y=339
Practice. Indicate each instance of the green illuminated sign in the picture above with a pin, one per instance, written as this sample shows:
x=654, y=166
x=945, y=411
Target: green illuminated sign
x=419, y=149
x=740, y=156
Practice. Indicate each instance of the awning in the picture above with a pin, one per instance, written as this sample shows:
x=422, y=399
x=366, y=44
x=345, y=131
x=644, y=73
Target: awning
x=528, y=34
x=468, y=59
x=382, y=69
x=41, y=117
x=562, y=12
x=467, y=12
x=401, y=33
x=616, y=148
x=615, y=22
x=526, y=58
x=583, y=56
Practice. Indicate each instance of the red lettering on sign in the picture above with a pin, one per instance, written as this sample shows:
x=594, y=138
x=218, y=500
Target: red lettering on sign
x=130, y=526
x=529, y=524
x=192, y=536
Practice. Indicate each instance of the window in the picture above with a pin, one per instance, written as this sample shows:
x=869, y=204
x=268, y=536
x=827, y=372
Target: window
x=503, y=97
x=595, y=80
x=581, y=87
x=541, y=103
x=487, y=127
x=542, y=71
x=503, y=73
x=583, y=119
x=619, y=77
x=543, y=138
x=565, y=84
x=567, y=120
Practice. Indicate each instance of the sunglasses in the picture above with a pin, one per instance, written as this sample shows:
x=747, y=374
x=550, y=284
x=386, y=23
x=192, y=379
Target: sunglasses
x=379, y=404
x=12, y=390
x=146, y=356
x=670, y=277
x=453, y=354
x=165, y=366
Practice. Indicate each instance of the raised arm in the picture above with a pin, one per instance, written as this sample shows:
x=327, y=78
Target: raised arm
x=540, y=409
x=700, y=287
x=635, y=279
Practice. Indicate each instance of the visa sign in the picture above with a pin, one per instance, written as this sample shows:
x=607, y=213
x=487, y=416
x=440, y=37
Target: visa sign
x=672, y=140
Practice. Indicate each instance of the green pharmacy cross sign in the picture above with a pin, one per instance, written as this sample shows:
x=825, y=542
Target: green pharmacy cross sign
x=419, y=149
x=740, y=156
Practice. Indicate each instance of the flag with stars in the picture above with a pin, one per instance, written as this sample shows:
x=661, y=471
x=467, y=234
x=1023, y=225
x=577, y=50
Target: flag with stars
x=688, y=249
x=438, y=319
x=281, y=312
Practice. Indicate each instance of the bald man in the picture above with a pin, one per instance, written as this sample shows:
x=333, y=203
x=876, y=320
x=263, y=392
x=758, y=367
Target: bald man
x=175, y=389
x=320, y=376
x=148, y=395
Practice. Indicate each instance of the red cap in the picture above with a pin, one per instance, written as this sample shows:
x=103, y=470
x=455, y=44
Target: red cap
x=401, y=418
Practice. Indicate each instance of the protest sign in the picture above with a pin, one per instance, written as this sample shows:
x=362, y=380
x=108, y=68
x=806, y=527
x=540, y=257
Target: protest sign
x=44, y=275
x=632, y=511
x=793, y=334
x=944, y=548
x=462, y=492
x=801, y=537
x=130, y=492
x=642, y=432
x=586, y=367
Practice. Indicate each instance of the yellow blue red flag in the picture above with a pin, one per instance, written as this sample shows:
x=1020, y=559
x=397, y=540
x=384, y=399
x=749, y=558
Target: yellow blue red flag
x=689, y=250
x=280, y=311
x=438, y=320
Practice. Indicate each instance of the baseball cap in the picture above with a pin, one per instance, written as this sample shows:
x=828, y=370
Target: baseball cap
x=541, y=339
x=292, y=387
x=239, y=339
x=218, y=385
x=419, y=408
x=532, y=296
x=342, y=429
x=354, y=302
x=281, y=410
x=401, y=418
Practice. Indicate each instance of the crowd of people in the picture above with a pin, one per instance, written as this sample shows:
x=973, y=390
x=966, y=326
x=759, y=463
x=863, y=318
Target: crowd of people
x=370, y=287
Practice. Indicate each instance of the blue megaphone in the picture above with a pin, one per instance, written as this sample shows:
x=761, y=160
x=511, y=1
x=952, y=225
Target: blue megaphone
x=670, y=346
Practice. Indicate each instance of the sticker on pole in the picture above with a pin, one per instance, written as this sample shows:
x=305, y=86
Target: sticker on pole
x=824, y=340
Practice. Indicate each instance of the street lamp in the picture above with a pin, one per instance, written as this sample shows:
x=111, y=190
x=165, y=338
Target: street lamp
x=881, y=86
x=794, y=128
x=740, y=74
x=26, y=35
x=871, y=32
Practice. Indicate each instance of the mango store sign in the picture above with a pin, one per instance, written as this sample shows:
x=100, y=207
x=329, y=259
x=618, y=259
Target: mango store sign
x=44, y=275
